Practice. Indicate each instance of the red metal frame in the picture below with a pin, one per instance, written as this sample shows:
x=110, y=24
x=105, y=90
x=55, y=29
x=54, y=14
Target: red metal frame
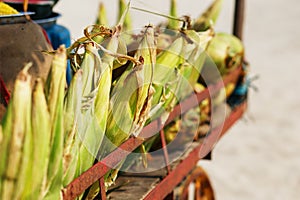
x=180, y=172
x=4, y=94
x=97, y=172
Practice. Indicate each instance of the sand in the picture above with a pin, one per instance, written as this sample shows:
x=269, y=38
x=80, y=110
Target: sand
x=259, y=157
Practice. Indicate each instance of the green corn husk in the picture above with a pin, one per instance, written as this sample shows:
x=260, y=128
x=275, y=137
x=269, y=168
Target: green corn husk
x=123, y=9
x=225, y=52
x=190, y=70
x=165, y=84
x=99, y=110
x=92, y=118
x=173, y=24
x=41, y=129
x=129, y=104
x=102, y=16
x=131, y=97
x=165, y=79
x=191, y=59
x=209, y=17
x=16, y=152
x=6, y=137
x=55, y=90
x=171, y=70
x=71, y=141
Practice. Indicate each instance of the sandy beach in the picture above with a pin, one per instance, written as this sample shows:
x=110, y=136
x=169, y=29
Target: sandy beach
x=259, y=157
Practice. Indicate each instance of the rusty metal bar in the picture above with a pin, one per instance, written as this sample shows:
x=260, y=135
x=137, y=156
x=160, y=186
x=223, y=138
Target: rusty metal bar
x=163, y=188
x=85, y=180
x=4, y=94
x=189, y=103
x=239, y=14
x=164, y=146
x=102, y=188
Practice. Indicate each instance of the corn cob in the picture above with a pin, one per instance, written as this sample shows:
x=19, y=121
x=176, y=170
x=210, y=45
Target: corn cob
x=209, y=17
x=41, y=129
x=55, y=87
x=17, y=141
x=131, y=98
x=6, y=9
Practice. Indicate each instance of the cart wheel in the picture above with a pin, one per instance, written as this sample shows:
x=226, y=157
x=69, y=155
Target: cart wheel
x=199, y=183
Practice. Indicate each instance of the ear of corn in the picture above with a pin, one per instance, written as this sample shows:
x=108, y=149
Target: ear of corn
x=41, y=129
x=209, y=17
x=165, y=79
x=72, y=116
x=131, y=99
x=103, y=97
x=55, y=87
x=91, y=122
x=190, y=70
x=226, y=52
x=17, y=142
x=6, y=138
x=130, y=96
x=6, y=9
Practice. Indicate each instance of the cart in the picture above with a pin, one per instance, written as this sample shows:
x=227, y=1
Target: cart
x=174, y=180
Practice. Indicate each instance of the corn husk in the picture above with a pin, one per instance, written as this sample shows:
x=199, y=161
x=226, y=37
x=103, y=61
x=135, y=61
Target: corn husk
x=131, y=97
x=55, y=91
x=41, y=129
x=16, y=148
x=209, y=17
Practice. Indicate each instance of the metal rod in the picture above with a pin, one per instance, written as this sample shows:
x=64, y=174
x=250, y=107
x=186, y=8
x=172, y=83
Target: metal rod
x=164, y=145
x=102, y=188
x=239, y=14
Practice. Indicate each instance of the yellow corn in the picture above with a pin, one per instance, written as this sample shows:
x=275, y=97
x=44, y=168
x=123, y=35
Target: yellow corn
x=6, y=9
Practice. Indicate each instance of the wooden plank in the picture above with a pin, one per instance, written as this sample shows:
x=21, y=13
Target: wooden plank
x=129, y=187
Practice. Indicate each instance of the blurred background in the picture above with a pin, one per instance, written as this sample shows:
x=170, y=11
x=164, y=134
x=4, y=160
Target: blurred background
x=259, y=157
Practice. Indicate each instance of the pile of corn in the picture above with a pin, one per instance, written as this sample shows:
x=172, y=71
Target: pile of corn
x=53, y=132
x=6, y=9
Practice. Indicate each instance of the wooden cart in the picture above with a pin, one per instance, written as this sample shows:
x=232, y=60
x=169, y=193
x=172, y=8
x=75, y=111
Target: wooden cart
x=171, y=182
